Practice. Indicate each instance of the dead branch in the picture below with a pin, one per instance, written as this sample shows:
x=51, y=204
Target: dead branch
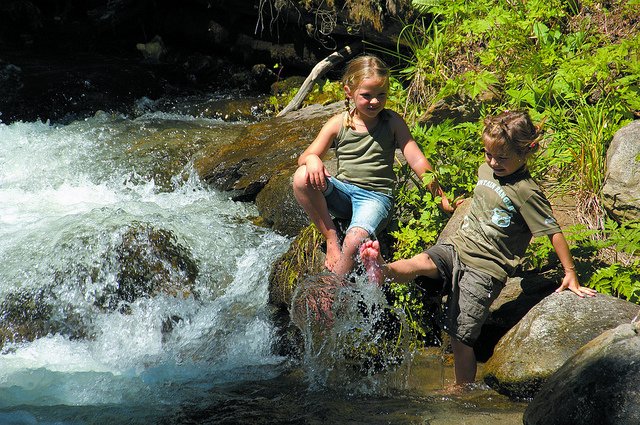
x=317, y=72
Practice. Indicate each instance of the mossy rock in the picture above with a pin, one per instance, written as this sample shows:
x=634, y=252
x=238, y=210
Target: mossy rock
x=29, y=314
x=263, y=150
x=304, y=257
x=150, y=262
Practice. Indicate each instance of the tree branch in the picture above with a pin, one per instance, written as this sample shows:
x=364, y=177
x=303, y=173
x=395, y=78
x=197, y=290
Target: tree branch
x=317, y=72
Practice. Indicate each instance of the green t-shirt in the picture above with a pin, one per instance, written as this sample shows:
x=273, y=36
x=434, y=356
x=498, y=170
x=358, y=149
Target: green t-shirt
x=505, y=213
x=366, y=159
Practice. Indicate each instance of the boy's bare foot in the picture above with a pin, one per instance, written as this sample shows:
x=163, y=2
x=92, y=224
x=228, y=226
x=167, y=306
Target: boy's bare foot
x=372, y=261
x=454, y=390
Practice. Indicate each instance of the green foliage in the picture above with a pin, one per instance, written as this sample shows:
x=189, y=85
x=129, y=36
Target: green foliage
x=538, y=254
x=325, y=92
x=550, y=58
x=420, y=315
x=619, y=276
x=618, y=280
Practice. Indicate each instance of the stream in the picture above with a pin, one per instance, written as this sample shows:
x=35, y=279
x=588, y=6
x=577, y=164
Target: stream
x=68, y=194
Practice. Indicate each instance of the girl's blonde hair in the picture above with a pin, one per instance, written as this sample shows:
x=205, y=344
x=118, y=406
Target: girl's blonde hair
x=358, y=69
x=513, y=131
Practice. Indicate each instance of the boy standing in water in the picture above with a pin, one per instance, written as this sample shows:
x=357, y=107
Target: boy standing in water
x=365, y=138
x=508, y=208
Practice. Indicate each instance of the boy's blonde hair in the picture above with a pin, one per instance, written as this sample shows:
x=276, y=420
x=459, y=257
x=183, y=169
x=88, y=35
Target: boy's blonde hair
x=366, y=66
x=513, y=131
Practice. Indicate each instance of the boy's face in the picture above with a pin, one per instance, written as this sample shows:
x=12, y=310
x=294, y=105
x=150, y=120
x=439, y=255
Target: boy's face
x=370, y=97
x=502, y=161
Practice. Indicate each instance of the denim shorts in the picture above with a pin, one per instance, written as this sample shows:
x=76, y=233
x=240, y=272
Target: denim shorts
x=364, y=208
x=470, y=293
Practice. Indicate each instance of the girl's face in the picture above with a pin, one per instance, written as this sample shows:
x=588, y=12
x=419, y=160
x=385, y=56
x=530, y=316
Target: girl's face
x=370, y=96
x=502, y=161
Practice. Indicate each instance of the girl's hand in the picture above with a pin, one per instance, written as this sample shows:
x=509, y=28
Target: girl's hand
x=316, y=173
x=446, y=206
x=449, y=207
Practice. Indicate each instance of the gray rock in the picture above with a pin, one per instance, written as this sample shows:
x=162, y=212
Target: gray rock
x=597, y=386
x=548, y=336
x=621, y=190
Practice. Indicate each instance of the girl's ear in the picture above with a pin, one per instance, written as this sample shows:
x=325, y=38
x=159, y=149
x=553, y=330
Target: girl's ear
x=347, y=91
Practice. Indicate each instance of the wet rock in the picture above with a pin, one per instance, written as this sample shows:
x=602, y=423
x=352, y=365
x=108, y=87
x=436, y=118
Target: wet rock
x=246, y=109
x=279, y=208
x=596, y=386
x=548, y=336
x=166, y=152
x=266, y=153
x=25, y=317
x=150, y=262
x=152, y=51
x=621, y=190
x=29, y=314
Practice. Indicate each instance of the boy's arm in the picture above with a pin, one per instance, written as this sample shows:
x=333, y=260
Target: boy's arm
x=570, y=280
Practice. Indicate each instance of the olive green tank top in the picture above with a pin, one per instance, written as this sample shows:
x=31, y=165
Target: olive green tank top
x=366, y=159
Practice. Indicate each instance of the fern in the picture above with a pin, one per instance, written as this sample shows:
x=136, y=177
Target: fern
x=618, y=280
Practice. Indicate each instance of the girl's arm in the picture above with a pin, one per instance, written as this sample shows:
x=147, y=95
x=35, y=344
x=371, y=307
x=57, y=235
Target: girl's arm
x=416, y=159
x=570, y=280
x=311, y=158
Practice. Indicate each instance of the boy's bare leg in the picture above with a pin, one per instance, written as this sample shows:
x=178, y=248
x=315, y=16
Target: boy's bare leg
x=372, y=261
x=464, y=360
x=352, y=241
x=315, y=205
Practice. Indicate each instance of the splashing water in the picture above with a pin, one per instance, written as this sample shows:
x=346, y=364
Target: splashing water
x=353, y=339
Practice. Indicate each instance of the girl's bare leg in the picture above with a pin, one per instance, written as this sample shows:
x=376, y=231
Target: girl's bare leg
x=352, y=241
x=315, y=205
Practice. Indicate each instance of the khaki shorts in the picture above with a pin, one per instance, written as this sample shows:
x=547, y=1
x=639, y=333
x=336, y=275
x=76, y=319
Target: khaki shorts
x=469, y=294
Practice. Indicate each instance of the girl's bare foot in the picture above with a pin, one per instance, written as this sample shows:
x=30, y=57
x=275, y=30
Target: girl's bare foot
x=334, y=252
x=372, y=261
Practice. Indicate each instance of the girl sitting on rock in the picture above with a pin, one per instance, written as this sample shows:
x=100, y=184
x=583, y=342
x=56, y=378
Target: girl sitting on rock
x=365, y=138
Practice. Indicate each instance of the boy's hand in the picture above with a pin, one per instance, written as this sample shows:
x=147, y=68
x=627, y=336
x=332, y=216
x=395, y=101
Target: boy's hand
x=570, y=281
x=449, y=207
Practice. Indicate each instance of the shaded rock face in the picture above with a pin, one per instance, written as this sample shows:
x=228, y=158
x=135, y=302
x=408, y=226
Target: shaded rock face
x=547, y=336
x=597, y=386
x=622, y=185
x=162, y=47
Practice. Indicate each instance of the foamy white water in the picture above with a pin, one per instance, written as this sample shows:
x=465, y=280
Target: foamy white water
x=66, y=194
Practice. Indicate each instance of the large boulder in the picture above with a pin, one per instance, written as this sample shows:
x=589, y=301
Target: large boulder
x=548, y=336
x=621, y=190
x=258, y=164
x=597, y=386
x=149, y=262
